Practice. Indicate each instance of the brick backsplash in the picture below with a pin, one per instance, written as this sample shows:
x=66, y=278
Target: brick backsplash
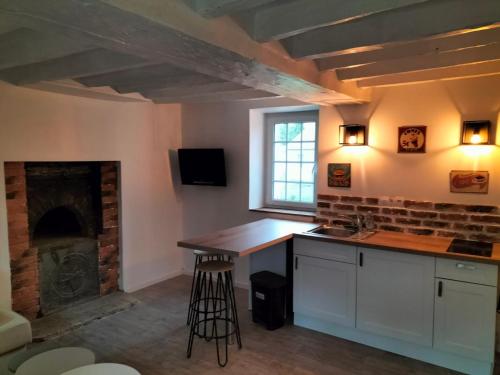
x=474, y=222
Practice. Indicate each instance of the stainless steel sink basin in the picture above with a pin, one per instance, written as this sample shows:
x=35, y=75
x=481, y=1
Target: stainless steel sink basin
x=333, y=231
x=341, y=232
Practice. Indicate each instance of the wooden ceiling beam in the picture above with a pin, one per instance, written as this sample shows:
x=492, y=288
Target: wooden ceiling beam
x=425, y=20
x=168, y=81
x=488, y=68
x=171, y=32
x=192, y=90
x=24, y=46
x=133, y=76
x=420, y=47
x=243, y=94
x=77, y=65
x=217, y=8
x=294, y=17
x=425, y=62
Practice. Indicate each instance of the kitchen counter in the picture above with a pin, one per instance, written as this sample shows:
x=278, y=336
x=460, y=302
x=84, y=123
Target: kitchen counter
x=248, y=238
x=410, y=243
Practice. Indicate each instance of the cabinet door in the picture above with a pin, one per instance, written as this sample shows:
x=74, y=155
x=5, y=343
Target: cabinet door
x=325, y=289
x=464, y=320
x=395, y=295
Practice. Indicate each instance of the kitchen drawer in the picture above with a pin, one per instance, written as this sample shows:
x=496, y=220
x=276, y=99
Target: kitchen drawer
x=462, y=270
x=325, y=250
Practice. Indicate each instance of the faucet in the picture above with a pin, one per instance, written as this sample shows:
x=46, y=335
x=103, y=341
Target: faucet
x=356, y=221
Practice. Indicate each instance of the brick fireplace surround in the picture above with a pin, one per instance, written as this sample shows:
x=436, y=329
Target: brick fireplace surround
x=473, y=222
x=24, y=256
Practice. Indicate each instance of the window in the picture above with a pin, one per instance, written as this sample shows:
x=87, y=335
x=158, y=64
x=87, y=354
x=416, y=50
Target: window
x=291, y=159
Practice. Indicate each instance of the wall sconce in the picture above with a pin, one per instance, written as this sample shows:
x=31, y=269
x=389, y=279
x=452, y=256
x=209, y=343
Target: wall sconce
x=352, y=135
x=476, y=133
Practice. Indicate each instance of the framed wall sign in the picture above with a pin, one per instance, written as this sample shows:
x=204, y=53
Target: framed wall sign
x=469, y=182
x=339, y=175
x=412, y=139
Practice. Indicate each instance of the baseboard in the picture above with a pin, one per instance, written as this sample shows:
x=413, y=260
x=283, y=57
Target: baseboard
x=145, y=284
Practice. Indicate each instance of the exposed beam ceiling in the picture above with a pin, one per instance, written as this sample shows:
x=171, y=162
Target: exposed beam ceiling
x=24, y=46
x=457, y=72
x=216, y=8
x=157, y=30
x=133, y=76
x=294, y=17
x=420, y=47
x=77, y=65
x=192, y=90
x=234, y=95
x=424, y=62
x=426, y=20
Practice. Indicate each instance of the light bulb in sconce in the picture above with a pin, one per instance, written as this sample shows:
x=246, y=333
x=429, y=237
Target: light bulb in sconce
x=475, y=139
x=352, y=140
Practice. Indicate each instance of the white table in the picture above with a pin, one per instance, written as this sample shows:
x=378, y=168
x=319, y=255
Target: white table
x=103, y=369
x=56, y=361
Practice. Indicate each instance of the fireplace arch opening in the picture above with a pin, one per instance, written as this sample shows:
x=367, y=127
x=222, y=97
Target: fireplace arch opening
x=59, y=222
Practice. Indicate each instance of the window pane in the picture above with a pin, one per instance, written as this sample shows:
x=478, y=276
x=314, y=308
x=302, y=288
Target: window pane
x=294, y=130
x=279, y=191
x=280, y=132
x=293, y=155
x=308, y=145
x=307, y=193
x=309, y=131
x=279, y=151
x=293, y=172
x=307, y=172
x=279, y=171
x=293, y=192
x=308, y=155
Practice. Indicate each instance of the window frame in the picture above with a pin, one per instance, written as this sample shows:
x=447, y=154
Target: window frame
x=285, y=117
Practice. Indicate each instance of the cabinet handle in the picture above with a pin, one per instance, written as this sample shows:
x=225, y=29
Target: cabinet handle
x=296, y=262
x=361, y=259
x=466, y=266
x=440, y=289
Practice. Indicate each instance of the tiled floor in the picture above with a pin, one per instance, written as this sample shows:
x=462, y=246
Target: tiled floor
x=151, y=337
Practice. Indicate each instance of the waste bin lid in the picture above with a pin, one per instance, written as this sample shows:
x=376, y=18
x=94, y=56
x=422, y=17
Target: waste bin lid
x=268, y=279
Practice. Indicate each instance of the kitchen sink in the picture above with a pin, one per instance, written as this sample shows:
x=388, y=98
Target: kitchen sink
x=333, y=231
x=341, y=232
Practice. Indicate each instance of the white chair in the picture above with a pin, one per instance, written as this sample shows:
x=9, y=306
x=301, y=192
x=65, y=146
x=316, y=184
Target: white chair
x=103, y=369
x=15, y=331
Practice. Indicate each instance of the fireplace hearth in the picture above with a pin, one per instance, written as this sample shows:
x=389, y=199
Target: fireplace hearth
x=63, y=233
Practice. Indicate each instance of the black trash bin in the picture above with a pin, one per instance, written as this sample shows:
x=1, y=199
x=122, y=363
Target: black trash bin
x=268, y=299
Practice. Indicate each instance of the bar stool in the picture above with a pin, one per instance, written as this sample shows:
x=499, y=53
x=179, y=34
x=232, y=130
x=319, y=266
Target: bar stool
x=200, y=255
x=214, y=307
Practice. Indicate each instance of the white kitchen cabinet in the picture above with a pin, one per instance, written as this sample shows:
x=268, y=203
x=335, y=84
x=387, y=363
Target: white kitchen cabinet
x=464, y=319
x=325, y=290
x=395, y=295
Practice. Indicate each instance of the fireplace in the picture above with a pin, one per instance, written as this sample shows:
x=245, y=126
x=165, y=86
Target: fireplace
x=63, y=233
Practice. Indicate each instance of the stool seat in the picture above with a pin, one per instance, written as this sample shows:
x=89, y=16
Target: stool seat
x=203, y=253
x=215, y=266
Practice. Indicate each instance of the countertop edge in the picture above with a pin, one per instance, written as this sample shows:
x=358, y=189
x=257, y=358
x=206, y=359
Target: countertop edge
x=366, y=243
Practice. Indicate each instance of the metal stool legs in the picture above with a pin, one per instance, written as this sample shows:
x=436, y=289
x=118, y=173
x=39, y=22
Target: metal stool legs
x=214, y=315
x=199, y=256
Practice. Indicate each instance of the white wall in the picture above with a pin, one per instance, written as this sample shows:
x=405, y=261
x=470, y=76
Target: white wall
x=208, y=208
x=38, y=126
x=378, y=170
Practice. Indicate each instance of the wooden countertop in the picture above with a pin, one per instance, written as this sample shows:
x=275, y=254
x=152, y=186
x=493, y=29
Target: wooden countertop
x=248, y=238
x=410, y=243
x=258, y=235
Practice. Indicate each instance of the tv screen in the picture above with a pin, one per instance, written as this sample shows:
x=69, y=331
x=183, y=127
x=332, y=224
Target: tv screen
x=202, y=166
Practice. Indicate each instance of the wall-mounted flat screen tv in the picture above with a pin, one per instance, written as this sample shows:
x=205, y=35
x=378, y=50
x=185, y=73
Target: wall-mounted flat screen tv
x=202, y=166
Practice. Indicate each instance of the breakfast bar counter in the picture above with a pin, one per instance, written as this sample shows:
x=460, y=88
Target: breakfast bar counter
x=248, y=238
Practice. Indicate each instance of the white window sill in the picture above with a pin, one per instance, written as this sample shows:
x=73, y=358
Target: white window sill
x=284, y=211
